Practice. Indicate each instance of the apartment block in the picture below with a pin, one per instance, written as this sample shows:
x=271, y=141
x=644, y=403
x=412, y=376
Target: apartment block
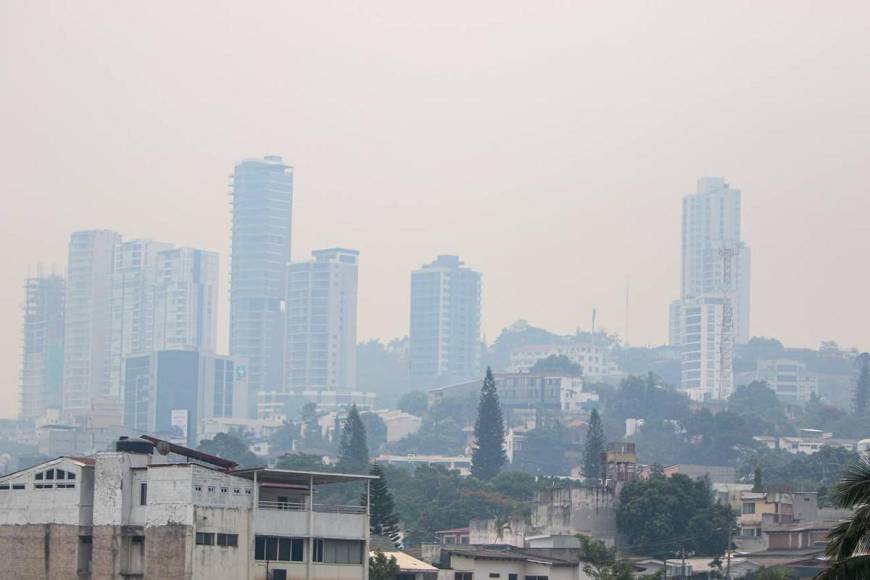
x=152, y=509
x=42, y=348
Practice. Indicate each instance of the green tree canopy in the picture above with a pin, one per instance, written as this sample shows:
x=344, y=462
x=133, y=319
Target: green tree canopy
x=557, y=364
x=594, y=447
x=353, y=450
x=664, y=516
x=384, y=520
x=414, y=402
x=301, y=462
x=862, y=385
x=382, y=568
x=230, y=447
x=488, y=455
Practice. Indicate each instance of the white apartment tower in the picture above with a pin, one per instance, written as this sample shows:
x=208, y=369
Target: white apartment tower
x=445, y=323
x=262, y=200
x=88, y=318
x=321, y=321
x=42, y=352
x=134, y=297
x=186, y=303
x=715, y=286
x=708, y=349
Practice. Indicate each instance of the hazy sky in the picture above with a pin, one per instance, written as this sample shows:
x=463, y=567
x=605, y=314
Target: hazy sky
x=547, y=143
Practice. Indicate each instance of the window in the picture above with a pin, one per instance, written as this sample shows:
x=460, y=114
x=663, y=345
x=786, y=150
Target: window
x=17, y=486
x=274, y=548
x=338, y=551
x=211, y=489
x=42, y=486
x=86, y=539
x=494, y=575
x=137, y=540
x=512, y=577
x=143, y=494
x=224, y=490
x=228, y=540
x=204, y=539
x=4, y=487
x=279, y=575
x=748, y=507
x=537, y=577
x=462, y=576
x=197, y=488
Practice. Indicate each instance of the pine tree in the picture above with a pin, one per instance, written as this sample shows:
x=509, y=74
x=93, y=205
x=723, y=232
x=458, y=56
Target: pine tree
x=757, y=482
x=353, y=450
x=383, y=521
x=596, y=445
x=488, y=454
x=862, y=385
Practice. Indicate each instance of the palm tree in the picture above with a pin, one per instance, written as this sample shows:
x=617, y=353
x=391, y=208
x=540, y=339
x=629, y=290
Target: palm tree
x=849, y=542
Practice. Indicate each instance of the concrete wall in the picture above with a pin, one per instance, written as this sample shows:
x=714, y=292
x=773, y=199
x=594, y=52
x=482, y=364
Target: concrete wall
x=492, y=531
x=39, y=551
x=47, y=506
x=221, y=562
x=586, y=510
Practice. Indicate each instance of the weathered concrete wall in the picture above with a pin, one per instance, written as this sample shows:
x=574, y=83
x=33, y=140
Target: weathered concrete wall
x=166, y=550
x=584, y=510
x=39, y=552
x=493, y=531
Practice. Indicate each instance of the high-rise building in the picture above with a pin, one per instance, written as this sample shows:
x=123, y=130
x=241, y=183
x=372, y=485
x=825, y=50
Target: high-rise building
x=262, y=199
x=715, y=261
x=88, y=318
x=134, y=296
x=321, y=321
x=42, y=353
x=445, y=323
x=707, y=371
x=186, y=304
x=713, y=308
x=170, y=392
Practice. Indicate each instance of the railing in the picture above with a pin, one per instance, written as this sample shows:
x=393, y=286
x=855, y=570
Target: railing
x=339, y=509
x=283, y=505
x=301, y=507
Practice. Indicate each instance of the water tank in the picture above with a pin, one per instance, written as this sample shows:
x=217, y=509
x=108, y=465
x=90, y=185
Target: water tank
x=127, y=445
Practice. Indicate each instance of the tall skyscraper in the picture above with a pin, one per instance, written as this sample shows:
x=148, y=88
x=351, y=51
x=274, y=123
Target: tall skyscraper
x=186, y=302
x=445, y=323
x=42, y=353
x=712, y=314
x=134, y=296
x=262, y=200
x=321, y=321
x=715, y=261
x=88, y=318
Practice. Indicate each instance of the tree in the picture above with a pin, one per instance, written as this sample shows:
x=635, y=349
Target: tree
x=230, y=447
x=312, y=435
x=862, y=385
x=488, y=455
x=300, y=462
x=557, y=365
x=382, y=568
x=594, y=448
x=602, y=562
x=384, y=520
x=759, y=403
x=757, y=483
x=662, y=516
x=376, y=431
x=516, y=485
x=543, y=452
x=848, y=542
x=353, y=450
x=414, y=402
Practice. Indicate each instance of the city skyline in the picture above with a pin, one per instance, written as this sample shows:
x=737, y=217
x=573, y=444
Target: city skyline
x=590, y=174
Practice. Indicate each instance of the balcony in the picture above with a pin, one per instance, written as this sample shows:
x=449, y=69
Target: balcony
x=284, y=506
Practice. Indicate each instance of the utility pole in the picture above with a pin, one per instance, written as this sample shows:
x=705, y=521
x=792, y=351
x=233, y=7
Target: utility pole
x=728, y=553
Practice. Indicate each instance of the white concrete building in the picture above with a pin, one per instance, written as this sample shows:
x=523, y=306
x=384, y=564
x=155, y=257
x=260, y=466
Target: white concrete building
x=461, y=463
x=708, y=348
x=88, y=318
x=789, y=379
x=594, y=360
x=399, y=424
x=321, y=321
x=445, y=342
x=457, y=562
x=136, y=513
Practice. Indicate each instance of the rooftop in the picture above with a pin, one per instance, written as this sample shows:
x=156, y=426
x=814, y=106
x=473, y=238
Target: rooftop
x=286, y=476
